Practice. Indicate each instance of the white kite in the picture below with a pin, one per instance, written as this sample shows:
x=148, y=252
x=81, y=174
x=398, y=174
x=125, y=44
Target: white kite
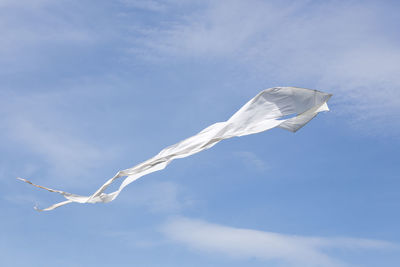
x=269, y=109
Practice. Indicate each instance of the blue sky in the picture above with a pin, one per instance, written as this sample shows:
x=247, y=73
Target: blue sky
x=88, y=88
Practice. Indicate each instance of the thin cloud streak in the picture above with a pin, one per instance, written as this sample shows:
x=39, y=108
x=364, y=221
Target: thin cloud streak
x=251, y=160
x=42, y=128
x=31, y=30
x=66, y=154
x=233, y=242
x=158, y=197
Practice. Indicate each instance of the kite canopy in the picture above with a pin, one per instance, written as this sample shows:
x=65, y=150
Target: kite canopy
x=267, y=110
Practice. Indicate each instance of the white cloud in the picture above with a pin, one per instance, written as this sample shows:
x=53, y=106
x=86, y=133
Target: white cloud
x=294, y=250
x=158, y=197
x=149, y=5
x=31, y=29
x=66, y=153
x=45, y=126
x=22, y=3
x=251, y=160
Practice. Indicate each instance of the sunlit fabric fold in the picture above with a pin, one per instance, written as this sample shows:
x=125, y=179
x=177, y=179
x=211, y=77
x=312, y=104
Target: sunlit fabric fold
x=269, y=109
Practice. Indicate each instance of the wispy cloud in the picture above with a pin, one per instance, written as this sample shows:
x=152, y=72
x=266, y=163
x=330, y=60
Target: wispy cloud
x=251, y=160
x=293, y=250
x=149, y=5
x=66, y=154
x=42, y=125
x=32, y=29
x=158, y=197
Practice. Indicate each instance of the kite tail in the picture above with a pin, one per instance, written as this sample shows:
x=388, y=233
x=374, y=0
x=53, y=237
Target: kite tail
x=265, y=111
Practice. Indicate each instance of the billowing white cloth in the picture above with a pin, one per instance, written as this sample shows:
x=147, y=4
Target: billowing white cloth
x=267, y=110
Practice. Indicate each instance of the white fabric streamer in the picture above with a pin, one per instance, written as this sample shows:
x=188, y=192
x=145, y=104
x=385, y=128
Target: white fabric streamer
x=265, y=111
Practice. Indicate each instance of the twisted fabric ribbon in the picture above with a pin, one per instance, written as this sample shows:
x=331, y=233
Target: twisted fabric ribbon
x=265, y=111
